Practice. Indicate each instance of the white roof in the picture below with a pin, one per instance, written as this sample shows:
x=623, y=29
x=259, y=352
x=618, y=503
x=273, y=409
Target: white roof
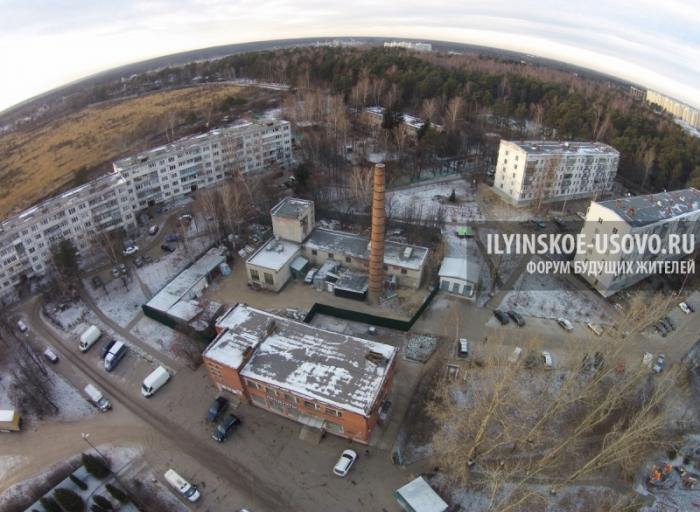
x=7, y=414
x=421, y=497
x=275, y=254
x=459, y=268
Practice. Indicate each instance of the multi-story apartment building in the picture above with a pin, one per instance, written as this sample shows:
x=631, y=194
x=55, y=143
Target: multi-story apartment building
x=26, y=238
x=682, y=111
x=660, y=214
x=534, y=172
x=152, y=177
x=164, y=173
x=325, y=380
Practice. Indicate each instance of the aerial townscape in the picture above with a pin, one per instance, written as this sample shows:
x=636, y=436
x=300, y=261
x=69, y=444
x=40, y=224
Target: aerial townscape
x=284, y=276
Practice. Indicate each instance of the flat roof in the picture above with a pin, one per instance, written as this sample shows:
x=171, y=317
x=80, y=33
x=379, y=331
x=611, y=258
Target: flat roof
x=291, y=207
x=648, y=209
x=339, y=370
x=549, y=147
x=177, y=289
x=274, y=254
x=350, y=244
x=420, y=497
x=460, y=268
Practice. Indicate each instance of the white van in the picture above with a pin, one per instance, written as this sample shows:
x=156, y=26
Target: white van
x=154, y=381
x=89, y=337
x=97, y=399
x=22, y=326
x=185, y=488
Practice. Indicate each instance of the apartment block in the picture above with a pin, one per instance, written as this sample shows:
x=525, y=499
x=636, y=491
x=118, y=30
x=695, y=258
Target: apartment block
x=660, y=214
x=167, y=172
x=682, y=111
x=322, y=379
x=534, y=172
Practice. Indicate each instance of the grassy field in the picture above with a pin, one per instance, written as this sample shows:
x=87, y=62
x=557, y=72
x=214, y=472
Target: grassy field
x=36, y=162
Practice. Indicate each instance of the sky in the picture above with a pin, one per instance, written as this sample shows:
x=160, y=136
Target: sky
x=45, y=44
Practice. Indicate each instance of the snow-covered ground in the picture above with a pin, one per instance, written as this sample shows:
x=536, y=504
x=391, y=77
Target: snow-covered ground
x=119, y=303
x=431, y=199
x=550, y=296
x=161, y=338
x=8, y=463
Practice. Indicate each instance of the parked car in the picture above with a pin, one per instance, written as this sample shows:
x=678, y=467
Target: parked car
x=517, y=318
x=50, y=356
x=463, y=347
x=138, y=261
x=115, y=355
x=122, y=268
x=538, y=224
x=22, y=326
x=222, y=431
x=167, y=247
x=661, y=328
x=172, y=237
x=501, y=316
x=154, y=381
x=565, y=324
x=547, y=360
x=185, y=488
x=597, y=329
x=96, y=398
x=132, y=249
x=216, y=408
x=89, y=337
x=515, y=355
x=647, y=359
x=310, y=275
x=115, y=272
x=660, y=363
x=345, y=462
x=97, y=282
x=106, y=348
x=153, y=230
x=684, y=307
x=667, y=322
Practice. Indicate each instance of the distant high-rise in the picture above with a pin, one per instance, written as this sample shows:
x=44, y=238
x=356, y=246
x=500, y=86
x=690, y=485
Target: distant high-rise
x=682, y=111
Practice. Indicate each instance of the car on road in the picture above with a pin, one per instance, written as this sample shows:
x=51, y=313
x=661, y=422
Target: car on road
x=50, y=356
x=517, y=318
x=216, y=408
x=345, y=462
x=547, y=360
x=223, y=429
x=107, y=348
x=96, y=282
x=167, y=248
x=172, y=237
x=463, y=348
x=565, y=324
x=153, y=230
x=659, y=364
x=647, y=359
x=310, y=275
x=501, y=316
x=189, y=491
x=667, y=322
x=597, y=329
x=132, y=249
x=22, y=326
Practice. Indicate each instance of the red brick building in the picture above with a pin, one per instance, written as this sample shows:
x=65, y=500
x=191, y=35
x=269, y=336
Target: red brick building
x=319, y=378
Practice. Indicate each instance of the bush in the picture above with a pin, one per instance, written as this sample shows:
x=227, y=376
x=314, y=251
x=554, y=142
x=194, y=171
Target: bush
x=77, y=481
x=69, y=501
x=50, y=504
x=102, y=502
x=672, y=453
x=95, y=466
x=117, y=493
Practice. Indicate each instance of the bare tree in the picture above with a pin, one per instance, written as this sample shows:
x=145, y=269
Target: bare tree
x=454, y=111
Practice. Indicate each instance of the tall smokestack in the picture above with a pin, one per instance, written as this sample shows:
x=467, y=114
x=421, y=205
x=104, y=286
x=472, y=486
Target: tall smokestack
x=376, y=255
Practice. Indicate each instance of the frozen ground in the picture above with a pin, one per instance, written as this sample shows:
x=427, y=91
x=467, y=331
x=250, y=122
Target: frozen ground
x=118, y=303
x=548, y=296
x=161, y=338
x=430, y=200
x=69, y=316
x=8, y=463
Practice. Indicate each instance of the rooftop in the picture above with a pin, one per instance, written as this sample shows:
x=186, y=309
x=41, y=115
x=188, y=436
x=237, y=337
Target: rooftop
x=291, y=207
x=340, y=242
x=420, y=497
x=643, y=210
x=549, y=147
x=336, y=369
x=274, y=254
x=460, y=268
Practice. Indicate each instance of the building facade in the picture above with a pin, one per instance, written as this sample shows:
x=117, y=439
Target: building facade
x=324, y=380
x=660, y=214
x=534, y=172
x=680, y=110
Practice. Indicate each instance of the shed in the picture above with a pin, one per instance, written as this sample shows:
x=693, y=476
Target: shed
x=299, y=267
x=460, y=276
x=418, y=496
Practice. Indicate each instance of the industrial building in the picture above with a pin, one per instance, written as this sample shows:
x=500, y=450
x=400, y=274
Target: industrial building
x=660, y=214
x=324, y=380
x=534, y=172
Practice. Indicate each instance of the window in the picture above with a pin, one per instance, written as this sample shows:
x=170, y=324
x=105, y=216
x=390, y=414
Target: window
x=600, y=220
x=614, y=230
x=310, y=405
x=314, y=252
x=348, y=259
x=333, y=412
x=269, y=278
x=254, y=275
x=331, y=256
x=335, y=427
x=403, y=270
x=251, y=384
x=289, y=398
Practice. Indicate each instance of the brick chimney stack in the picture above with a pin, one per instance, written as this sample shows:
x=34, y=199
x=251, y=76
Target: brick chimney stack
x=376, y=255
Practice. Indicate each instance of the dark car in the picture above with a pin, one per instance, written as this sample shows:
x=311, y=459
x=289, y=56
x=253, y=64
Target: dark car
x=217, y=407
x=517, y=318
x=667, y=321
x=96, y=282
x=167, y=248
x=172, y=237
x=107, y=348
x=501, y=316
x=538, y=224
x=224, y=428
x=138, y=261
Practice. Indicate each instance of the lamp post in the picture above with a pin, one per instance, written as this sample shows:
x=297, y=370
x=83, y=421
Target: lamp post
x=86, y=438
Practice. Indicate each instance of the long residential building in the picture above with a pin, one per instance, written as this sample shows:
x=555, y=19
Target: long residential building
x=682, y=111
x=534, y=172
x=663, y=215
x=148, y=178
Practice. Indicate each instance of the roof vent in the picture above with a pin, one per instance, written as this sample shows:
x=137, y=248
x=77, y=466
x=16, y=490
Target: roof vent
x=631, y=212
x=376, y=358
x=407, y=252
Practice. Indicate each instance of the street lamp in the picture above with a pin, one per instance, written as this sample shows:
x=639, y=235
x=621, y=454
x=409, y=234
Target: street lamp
x=86, y=438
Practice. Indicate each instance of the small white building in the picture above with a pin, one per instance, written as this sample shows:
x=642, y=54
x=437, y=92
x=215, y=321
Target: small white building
x=459, y=276
x=269, y=266
x=418, y=496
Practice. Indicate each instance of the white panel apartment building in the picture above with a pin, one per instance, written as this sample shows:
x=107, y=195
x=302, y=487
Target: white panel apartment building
x=531, y=172
x=164, y=173
x=661, y=214
x=685, y=112
x=152, y=177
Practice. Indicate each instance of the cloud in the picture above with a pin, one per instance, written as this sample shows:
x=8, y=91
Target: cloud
x=49, y=43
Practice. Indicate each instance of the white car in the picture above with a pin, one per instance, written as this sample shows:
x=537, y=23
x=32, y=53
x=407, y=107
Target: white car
x=660, y=363
x=153, y=230
x=515, y=355
x=565, y=324
x=685, y=308
x=647, y=359
x=132, y=249
x=547, y=359
x=310, y=275
x=345, y=462
x=597, y=329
